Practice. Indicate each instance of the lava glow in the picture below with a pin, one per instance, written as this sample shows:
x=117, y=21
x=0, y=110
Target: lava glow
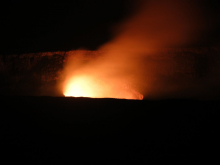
x=88, y=86
x=79, y=87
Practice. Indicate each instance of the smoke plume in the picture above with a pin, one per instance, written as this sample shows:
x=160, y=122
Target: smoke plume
x=130, y=61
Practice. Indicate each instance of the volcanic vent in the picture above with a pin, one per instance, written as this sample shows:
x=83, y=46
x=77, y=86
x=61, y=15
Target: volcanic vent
x=42, y=74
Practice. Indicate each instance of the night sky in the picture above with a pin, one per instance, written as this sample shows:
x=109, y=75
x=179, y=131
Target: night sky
x=33, y=26
x=37, y=26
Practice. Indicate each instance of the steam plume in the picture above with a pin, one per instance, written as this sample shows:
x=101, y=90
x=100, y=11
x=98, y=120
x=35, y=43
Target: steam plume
x=154, y=26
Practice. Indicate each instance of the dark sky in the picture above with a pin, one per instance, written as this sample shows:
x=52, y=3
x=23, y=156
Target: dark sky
x=38, y=25
x=33, y=26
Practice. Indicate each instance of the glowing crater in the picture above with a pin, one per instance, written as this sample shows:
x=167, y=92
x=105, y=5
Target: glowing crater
x=88, y=86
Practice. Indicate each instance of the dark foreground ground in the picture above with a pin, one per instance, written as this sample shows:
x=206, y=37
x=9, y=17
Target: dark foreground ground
x=51, y=130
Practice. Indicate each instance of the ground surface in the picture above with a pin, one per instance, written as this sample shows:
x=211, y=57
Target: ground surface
x=51, y=130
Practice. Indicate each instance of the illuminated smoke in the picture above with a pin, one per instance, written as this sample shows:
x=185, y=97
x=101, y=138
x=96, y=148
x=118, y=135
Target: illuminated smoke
x=123, y=70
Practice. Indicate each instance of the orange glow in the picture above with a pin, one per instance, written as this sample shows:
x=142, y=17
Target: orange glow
x=88, y=86
x=79, y=87
x=123, y=66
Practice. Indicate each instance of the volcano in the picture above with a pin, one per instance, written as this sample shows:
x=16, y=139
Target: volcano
x=184, y=69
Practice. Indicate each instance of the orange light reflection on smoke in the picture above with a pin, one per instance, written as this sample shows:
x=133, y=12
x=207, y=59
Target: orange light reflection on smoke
x=88, y=86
